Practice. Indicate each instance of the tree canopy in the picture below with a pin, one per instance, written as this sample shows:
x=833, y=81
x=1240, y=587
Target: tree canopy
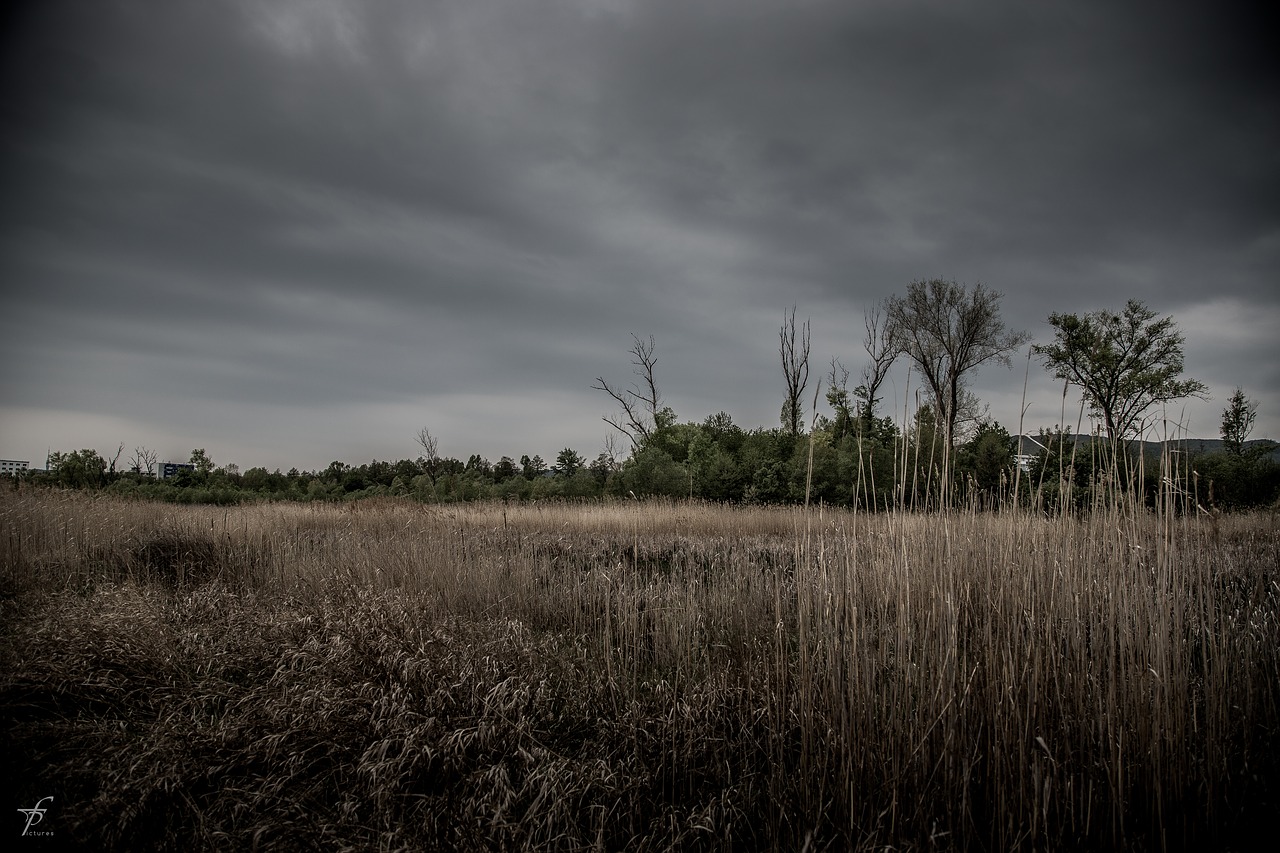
x=1237, y=422
x=948, y=330
x=1125, y=363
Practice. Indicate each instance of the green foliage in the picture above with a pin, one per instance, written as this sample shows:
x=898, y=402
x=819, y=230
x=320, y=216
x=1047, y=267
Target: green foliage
x=477, y=464
x=1237, y=422
x=1237, y=480
x=532, y=468
x=651, y=472
x=568, y=462
x=78, y=469
x=204, y=465
x=987, y=458
x=505, y=469
x=842, y=424
x=1124, y=363
x=770, y=484
x=857, y=459
x=1064, y=471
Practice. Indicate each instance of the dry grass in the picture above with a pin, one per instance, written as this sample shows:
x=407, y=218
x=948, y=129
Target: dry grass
x=386, y=675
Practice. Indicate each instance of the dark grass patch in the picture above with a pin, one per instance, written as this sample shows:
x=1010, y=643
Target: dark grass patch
x=162, y=723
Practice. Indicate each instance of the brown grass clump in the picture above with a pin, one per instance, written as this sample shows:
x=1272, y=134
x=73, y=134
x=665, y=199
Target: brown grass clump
x=636, y=676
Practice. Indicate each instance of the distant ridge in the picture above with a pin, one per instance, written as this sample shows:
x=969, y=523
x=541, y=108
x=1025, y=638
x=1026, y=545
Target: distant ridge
x=1028, y=445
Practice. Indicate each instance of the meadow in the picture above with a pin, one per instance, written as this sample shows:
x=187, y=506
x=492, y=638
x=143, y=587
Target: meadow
x=392, y=675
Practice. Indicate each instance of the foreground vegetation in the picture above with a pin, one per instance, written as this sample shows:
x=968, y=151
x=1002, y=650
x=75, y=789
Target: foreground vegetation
x=648, y=676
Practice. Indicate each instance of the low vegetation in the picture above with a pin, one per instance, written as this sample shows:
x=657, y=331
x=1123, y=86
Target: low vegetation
x=638, y=675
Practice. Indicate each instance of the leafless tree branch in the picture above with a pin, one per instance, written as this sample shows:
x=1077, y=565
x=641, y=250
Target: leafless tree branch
x=795, y=369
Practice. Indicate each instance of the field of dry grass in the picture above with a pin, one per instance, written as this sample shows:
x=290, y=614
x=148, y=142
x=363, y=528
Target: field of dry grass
x=640, y=676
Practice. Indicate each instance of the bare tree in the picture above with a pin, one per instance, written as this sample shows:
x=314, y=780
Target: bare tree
x=610, y=450
x=795, y=370
x=430, y=451
x=947, y=331
x=838, y=398
x=642, y=409
x=143, y=461
x=883, y=349
x=114, y=459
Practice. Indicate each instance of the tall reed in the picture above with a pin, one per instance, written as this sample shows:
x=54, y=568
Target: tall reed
x=682, y=674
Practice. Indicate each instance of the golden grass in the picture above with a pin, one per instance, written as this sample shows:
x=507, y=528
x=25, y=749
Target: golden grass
x=386, y=675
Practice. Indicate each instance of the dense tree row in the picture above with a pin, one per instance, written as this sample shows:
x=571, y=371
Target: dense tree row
x=717, y=460
x=1124, y=364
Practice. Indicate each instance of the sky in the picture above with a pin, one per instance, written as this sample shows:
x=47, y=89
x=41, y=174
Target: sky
x=298, y=232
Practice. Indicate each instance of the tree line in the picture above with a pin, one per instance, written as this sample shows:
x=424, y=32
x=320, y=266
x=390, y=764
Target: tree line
x=1126, y=365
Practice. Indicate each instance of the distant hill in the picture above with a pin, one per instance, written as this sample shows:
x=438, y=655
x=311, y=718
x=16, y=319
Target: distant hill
x=1200, y=446
x=1193, y=446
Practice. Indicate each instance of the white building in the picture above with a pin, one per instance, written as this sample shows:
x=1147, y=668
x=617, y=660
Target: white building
x=1029, y=450
x=169, y=470
x=13, y=466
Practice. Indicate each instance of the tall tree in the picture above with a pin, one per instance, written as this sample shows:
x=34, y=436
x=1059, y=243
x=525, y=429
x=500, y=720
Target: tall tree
x=505, y=469
x=795, y=370
x=430, y=453
x=882, y=350
x=204, y=465
x=111, y=464
x=947, y=331
x=568, y=463
x=642, y=411
x=1237, y=422
x=78, y=469
x=143, y=461
x=531, y=469
x=1124, y=363
x=838, y=399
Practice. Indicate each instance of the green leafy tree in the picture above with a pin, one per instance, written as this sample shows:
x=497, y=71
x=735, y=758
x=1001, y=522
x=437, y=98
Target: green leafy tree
x=567, y=463
x=505, y=469
x=770, y=484
x=405, y=470
x=1237, y=422
x=256, y=479
x=582, y=484
x=1124, y=363
x=603, y=466
x=988, y=457
x=1237, y=480
x=204, y=465
x=78, y=469
x=477, y=464
x=651, y=471
x=721, y=427
x=925, y=456
x=532, y=468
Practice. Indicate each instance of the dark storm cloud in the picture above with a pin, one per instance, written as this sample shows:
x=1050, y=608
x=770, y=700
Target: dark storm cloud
x=328, y=204
x=982, y=135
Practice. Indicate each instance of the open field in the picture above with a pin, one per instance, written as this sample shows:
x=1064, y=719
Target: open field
x=389, y=675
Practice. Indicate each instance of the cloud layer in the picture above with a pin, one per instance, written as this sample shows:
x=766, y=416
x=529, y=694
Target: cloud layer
x=293, y=232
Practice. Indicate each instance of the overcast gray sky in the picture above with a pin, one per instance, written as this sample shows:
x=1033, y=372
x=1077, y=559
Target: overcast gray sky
x=294, y=232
